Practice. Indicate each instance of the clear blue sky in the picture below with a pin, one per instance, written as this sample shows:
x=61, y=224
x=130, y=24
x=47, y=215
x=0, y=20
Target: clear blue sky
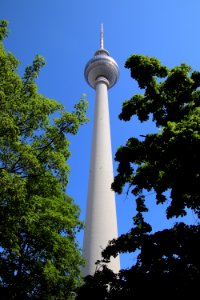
x=66, y=33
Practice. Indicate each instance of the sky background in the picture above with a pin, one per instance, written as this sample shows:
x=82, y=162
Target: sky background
x=66, y=33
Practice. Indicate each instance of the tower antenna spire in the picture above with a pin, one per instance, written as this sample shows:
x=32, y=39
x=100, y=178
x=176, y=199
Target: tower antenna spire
x=101, y=37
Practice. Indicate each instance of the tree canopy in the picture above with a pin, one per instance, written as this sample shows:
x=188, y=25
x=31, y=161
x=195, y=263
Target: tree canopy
x=168, y=163
x=39, y=254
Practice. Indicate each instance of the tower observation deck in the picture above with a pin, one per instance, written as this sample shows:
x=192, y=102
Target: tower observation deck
x=102, y=64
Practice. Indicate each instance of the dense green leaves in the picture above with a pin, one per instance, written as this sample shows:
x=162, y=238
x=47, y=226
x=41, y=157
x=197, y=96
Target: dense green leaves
x=39, y=254
x=170, y=158
x=168, y=265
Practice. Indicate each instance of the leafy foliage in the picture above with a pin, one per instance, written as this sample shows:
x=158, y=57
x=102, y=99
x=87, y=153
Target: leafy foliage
x=39, y=254
x=170, y=158
x=168, y=161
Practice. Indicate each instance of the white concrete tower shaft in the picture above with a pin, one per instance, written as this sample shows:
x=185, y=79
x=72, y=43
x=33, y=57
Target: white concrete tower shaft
x=101, y=73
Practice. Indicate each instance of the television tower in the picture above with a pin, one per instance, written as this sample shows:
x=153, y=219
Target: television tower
x=101, y=73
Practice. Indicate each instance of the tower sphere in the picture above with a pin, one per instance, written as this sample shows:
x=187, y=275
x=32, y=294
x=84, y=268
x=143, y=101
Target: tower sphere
x=101, y=65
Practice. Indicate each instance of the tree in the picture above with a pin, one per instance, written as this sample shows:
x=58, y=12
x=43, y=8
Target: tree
x=166, y=162
x=39, y=254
